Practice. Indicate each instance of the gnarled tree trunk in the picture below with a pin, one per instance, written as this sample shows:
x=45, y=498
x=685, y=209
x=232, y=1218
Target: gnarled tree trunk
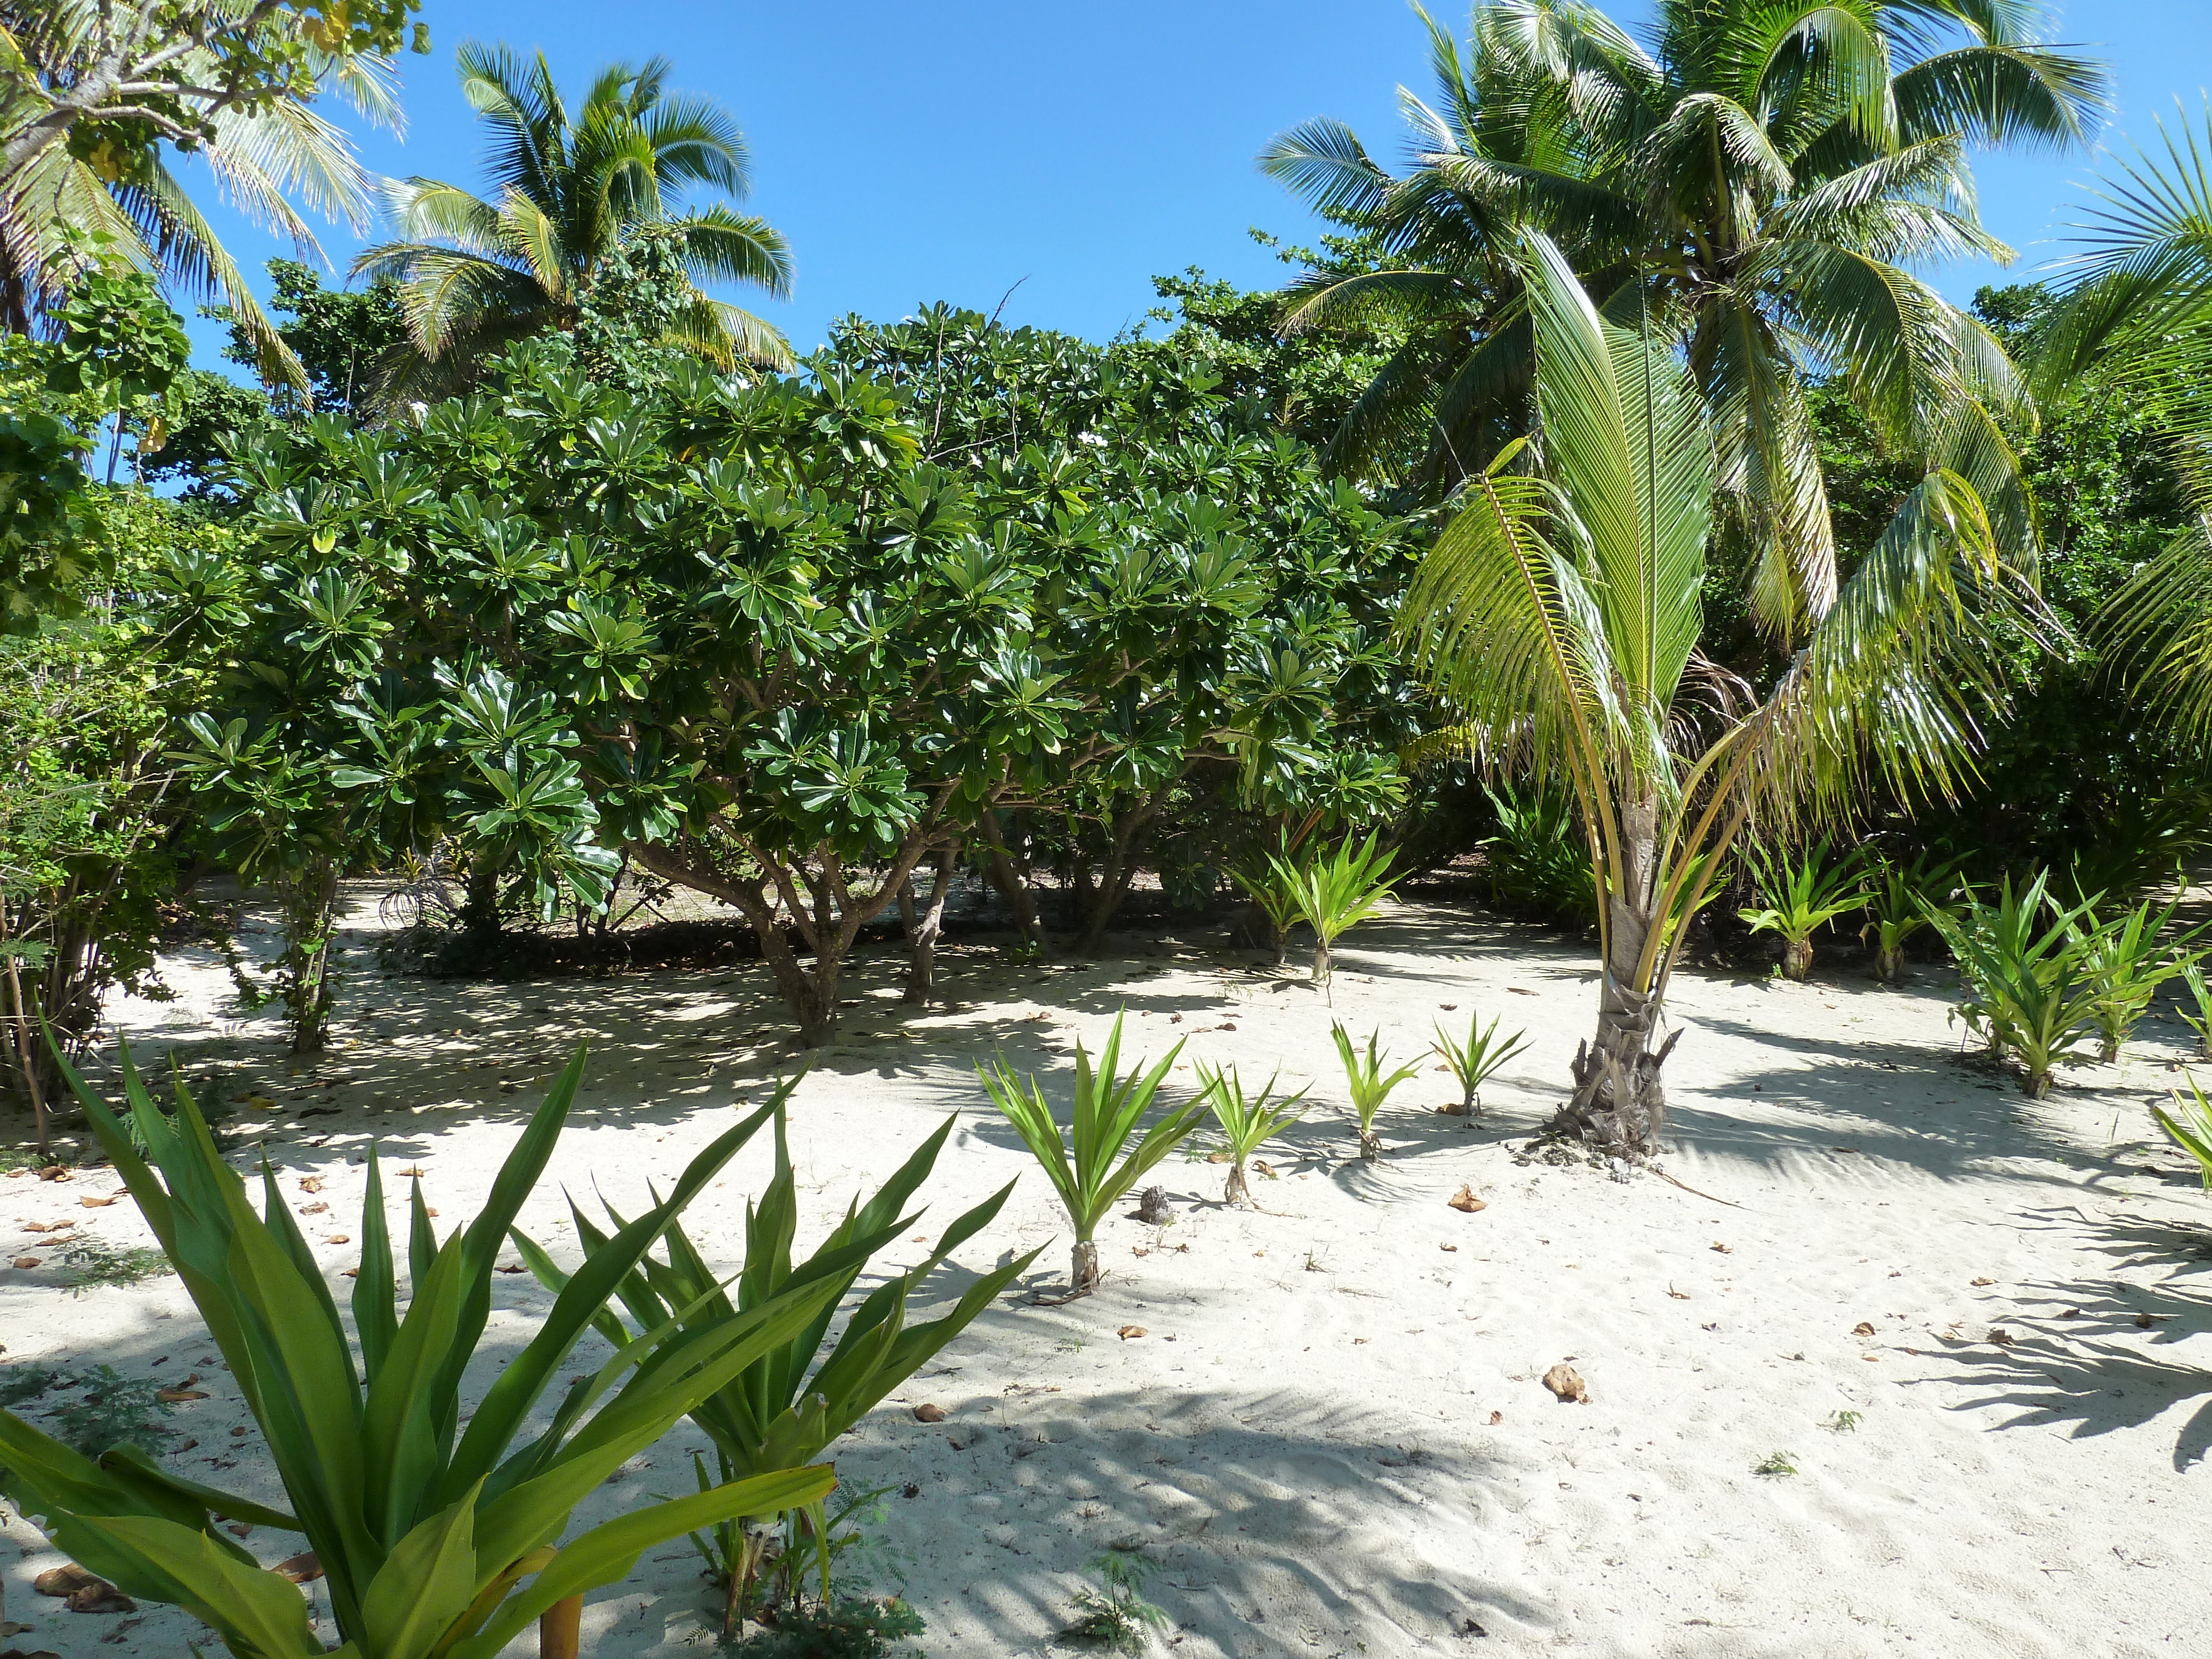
x=925, y=923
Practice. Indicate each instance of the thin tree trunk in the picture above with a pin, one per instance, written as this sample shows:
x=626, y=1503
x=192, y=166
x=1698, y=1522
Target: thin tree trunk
x=480, y=911
x=1113, y=880
x=22, y=1040
x=923, y=930
x=309, y=899
x=1011, y=888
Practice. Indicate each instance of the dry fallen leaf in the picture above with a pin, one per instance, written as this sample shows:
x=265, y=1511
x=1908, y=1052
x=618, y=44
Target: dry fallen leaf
x=314, y=1209
x=1465, y=1201
x=1129, y=1331
x=1567, y=1383
x=48, y=1226
x=301, y=1569
x=1725, y=1249
x=178, y=1396
x=239, y=1529
x=1863, y=1328
x=339, y=1238
x=62, y=1580
x=1985, y=1281
x=1497, y=1417
x=100, y=1596
x=2001, y=1336
x=55, y=1172
x=412, y=1171
x=1679, y=1296
x=26, y=1261
x=1217, y=1158
x=1448, y=1247
x=92, y=1203
x=928, y=1413
x=311, y=1183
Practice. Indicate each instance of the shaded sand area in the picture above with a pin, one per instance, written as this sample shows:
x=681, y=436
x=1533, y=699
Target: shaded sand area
x=1331, y=1437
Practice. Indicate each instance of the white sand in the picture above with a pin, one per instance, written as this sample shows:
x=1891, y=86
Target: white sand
x=1332, y=1439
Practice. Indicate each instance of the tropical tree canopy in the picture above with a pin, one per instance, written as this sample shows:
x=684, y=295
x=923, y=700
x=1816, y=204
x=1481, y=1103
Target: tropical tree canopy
x=95, y=98
x=477, y=273
x=1561, y=611
x=1762, y=179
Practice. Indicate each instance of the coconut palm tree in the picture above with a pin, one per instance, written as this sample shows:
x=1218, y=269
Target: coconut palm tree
x=477, y=273
x=1560, y=612
x=1764, y=176
x=69, y=68
x=2137, y=314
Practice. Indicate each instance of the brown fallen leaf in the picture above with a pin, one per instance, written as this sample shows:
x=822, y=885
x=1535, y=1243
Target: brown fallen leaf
x=92, y=1203
x=1452, y=1108
x=1128, y=1331
x=1985, y=1281
x=311, y=1183
x=1679, y=1296
x=927, y=1412
x=316, y=1208
x=1567, y=1382
x=48, y=1226
x=1496, y=1417
x=100, y=1596
x=301, y=1569
x=1863, y=1328
x=63, y=1581
x=339, y=1238
x=240, y=1529
x=26, y=1261
x=178, y=1396
x=1453, y=1247
x=1261, y=1167
x=1465, y=1201
x=2001, y=1336
x=55, y=1172
x=412, y=1169
x=1724, y=1249
x=1518, y=992
x=239, y=1433
x=510, y=1267
x=1217, y=1158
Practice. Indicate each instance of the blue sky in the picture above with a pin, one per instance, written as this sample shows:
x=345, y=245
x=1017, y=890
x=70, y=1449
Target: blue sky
x=952, y=150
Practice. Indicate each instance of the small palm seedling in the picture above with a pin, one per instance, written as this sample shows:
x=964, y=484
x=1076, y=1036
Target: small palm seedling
x=2032, y=995
x=1477, y=1058
x=1800, y=896
x=1271, y=885
x=786, y=1407
x=1775, y=1462
x=1335, y=891
x=1844, y=1422
x=1363, y=1075
x=2200, y=999
x=1898, y=900
x=437, y=1530
x=2188, y=1125
x=1104, y=1165
x=1117, y=1617
x=2128, y=958
x=1246, y=1125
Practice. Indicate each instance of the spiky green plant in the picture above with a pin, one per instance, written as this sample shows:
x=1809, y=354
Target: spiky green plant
x=1335, y=891
x=426, y=1531
x=2188, y=1125
x=1477, y=1057
x=1803, y=894
x=1363, y=1076
x=2200, y=999
x=1094, y=1166
x=2128, y=956
x=1266, y=884
x=2032, y=995
x=1898, y=897
x=1246, y=1125
x=788, y=1406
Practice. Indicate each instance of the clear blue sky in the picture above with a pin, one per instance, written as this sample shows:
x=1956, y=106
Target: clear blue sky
x=921, y=151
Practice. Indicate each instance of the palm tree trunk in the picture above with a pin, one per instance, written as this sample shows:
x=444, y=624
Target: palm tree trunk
x=1083, y=1271
x=1618, y=1105
x=1234, y=1191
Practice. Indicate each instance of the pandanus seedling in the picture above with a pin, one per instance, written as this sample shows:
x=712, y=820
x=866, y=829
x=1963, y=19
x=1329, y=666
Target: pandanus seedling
x=1477, y=1057
x=1363, y=1075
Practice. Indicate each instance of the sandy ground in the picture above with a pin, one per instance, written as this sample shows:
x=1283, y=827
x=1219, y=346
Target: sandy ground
x=1331, y=1437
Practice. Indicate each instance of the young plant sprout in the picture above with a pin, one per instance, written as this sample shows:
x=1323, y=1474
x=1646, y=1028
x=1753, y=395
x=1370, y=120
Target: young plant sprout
x=1478, y=1058
x=1246, y=1125
x=1362, y=1074
x=1106, y=1109
x=1335, y=891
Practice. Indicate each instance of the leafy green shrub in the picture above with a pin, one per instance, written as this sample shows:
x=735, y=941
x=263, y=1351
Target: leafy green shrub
x=1246, y=1125
x=425, y=1531
x=90, y=1263
x=1363, y=1075
x=1477, y=1057
x=787, y=1407
x=2032, y=995
x=1277, y=898
x=1538, y=855
x=856, y=1627
x=1802, y=895
x=1118, y=1616
x=1107, y=1108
